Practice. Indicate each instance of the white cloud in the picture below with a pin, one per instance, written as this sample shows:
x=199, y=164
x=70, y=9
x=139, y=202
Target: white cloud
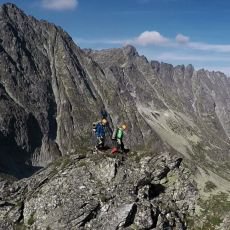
x=193, y=58
x=209, y=47
x=150, y=38
x=155, y=38
x=180, y=38
x=59, y=4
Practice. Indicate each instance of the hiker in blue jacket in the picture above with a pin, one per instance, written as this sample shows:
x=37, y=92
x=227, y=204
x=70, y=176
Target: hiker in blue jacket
x=100, y=133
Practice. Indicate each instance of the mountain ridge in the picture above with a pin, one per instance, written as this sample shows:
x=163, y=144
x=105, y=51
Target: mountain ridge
x=52, y=91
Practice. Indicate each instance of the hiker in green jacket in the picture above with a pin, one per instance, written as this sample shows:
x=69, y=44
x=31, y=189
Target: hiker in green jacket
x=119, y=139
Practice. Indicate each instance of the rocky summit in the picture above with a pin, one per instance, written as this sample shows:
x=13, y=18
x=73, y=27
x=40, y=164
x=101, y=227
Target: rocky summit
x=142, y=191
x=176, y=174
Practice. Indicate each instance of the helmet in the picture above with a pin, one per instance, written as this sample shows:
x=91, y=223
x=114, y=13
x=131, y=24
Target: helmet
x=103, y=121
x=123, y=126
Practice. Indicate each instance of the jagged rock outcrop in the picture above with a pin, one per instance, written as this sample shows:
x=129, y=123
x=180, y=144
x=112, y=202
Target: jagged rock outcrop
x=140, y=191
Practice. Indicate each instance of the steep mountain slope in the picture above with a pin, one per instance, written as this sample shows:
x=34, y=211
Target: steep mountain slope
x=55, y=87
x=50, y=93
x=47, y=101
x=188, y=109
x=170, y=99
x=60, y=91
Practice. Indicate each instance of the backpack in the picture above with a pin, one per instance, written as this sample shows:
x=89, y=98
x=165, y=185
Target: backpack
x=95, y=125
x=120, y=134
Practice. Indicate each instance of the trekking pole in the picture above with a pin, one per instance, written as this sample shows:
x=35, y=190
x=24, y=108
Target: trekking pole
x=93, y=141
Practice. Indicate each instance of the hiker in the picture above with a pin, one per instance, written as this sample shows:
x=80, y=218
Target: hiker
x=100, y=134
x=104, y=113
x=118, y=135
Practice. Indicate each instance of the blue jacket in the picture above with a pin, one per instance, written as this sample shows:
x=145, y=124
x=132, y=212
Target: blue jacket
x=100, y=130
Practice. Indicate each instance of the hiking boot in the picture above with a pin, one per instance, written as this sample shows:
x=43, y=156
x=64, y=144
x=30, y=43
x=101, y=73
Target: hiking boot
x=95, y=150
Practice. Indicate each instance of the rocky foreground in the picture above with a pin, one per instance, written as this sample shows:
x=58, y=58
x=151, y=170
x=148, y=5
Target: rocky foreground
x=102, y=191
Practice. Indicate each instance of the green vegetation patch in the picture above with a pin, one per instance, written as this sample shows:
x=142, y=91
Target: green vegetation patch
x=31, y=220
x=134, y=227
x=209, y=186
x=212, y=213
x=137, y=156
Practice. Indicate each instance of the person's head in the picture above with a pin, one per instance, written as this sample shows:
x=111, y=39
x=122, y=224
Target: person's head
x=124, y=127
x=104, y=121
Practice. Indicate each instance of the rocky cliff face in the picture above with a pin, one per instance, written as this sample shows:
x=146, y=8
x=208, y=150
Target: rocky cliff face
x=140, y=191
x=47, y=100
x=53, y=92
x=190, y=106
x=50, y=93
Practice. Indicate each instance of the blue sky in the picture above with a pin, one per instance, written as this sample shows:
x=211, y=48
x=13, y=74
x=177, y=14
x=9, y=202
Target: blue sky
x=172, y=31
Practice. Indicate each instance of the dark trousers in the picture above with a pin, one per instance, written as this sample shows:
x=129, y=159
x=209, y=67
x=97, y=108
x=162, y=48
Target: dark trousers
x=100, y=142
x=120, y=145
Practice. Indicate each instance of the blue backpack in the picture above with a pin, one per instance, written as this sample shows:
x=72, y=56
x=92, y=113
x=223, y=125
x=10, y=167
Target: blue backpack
x=100, y=130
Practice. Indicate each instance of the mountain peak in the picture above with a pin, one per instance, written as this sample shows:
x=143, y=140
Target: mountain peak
x=10, y=6
x=12, y=11
x=130, y=51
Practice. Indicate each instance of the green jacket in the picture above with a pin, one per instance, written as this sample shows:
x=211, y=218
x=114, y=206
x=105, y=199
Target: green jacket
x=120, y=133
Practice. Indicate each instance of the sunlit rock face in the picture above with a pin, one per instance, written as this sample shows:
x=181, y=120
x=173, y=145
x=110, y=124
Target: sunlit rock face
x=52, y=91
